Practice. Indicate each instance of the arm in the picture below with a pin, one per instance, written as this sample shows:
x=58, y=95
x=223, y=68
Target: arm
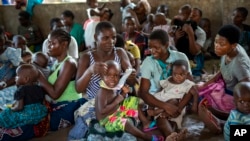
x=66, y=73
x=194, y=48
x=152, y=101
x=187, y=97
x=85, y=72
x=18, y=106
x=216, y=77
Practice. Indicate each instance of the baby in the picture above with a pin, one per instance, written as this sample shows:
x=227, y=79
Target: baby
x=28, y=108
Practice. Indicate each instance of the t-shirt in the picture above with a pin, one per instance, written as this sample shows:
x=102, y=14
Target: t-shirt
x=151, y=69
x=133, y=49
x=237, y=69
x=30, y=94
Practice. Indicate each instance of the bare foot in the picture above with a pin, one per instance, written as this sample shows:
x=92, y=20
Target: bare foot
x=211, y=122
x=181, y=136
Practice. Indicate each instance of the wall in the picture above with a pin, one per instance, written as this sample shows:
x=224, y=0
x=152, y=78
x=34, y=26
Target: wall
x=218, y=11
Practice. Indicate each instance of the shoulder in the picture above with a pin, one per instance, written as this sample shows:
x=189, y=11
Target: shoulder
x=177, y=55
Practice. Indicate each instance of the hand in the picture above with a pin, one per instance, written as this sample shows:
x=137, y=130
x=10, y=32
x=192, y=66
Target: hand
x=131, y=80
x=179, y=33
x=200, y=85
x=99, y=68
x=125, y=90
x=172, y=110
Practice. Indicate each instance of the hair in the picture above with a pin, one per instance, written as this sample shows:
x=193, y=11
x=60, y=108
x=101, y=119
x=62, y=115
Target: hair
x=230, y=32
x=179, y=63
x=110, y=13
x=241, y=88
x=26, y=53
x=119, y=41
x=29, y=71
x=61, y=35
x=54, y=20
x=199, y=10
x=24, y=14
x=186, y=7
x=103, y=25
x=146, y=5
x=68, y=13
x=17, y=37
x=160, y=35
x=128, y=18
x=43, y=59
x=112, y=63
x=204, y=20
x=242, y=10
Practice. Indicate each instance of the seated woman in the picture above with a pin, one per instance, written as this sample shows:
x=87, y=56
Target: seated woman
x=217, y=93
x=91, y=65
x=60, y=85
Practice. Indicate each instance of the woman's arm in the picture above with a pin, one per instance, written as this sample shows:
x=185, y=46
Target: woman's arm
x=66, y=73
x=216, y=77
x=18, y=105
x=152, y=101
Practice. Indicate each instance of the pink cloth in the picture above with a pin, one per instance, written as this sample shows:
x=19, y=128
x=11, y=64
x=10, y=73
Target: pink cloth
x=216, y=96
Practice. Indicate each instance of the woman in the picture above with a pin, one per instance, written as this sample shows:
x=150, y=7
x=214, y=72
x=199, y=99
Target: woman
x=155, y=68
x=91, y=66
x=60, y=85
x=234, y=68
x=75, y=29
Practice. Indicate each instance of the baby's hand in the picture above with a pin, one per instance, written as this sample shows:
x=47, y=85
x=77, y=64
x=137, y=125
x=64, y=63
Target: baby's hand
x=125, y=90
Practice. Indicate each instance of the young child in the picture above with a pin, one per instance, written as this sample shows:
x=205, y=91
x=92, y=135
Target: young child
x=241, y=115
x=94, y=13
x=134, y=36
x=177, y=90
x=28, y=108
x=41, y=61
x=114, y=109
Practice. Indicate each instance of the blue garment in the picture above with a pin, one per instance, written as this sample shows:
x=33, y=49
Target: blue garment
x=199, y=61
x=31, y=4
x=235, y=118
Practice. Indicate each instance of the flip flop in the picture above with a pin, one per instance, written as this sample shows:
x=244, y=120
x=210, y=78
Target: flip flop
x=151, y=127
x=157, y=138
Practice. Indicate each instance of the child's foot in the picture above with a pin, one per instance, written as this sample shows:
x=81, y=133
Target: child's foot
x=211, y=122
x=181, y=136
x=172, y=137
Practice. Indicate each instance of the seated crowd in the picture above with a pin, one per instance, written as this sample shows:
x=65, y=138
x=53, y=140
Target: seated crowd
x=137, y=84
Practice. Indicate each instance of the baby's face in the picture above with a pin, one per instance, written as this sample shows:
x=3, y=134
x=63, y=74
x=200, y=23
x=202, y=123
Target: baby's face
x=243, y=103
x=112, y=77
x=179, y=74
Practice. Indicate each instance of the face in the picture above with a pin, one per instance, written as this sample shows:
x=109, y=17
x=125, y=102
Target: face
x=105, y=16
x=130, y=25
x=112, y=77
x=242, y=102
x=20, y=43
x=20, y=79
x=195, y=15
x=237, y=18
x=67, y=21
x=39, y=60
x=106, y=39
x=27, y=59
x=179, y=74
x=158, y=20
x=23, y=21
x=205, y=25
x=222, y=46
x=55, y=47
x=93, y=3
x=158, y=50
x=184, y=14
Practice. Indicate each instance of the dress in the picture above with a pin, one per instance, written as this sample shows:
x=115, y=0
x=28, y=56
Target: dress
x=152, y=70
x=32, y=113
x=174, y=91
x=235, y=118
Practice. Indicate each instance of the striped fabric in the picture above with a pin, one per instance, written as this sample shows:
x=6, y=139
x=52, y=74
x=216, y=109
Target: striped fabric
x=235, y=118
x=94, y=84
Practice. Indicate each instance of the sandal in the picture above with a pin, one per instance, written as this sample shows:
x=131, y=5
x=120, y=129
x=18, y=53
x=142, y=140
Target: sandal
x=157, y=138
x=151, y=127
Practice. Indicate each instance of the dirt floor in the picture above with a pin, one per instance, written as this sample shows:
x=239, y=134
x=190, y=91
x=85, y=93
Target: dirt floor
x=196, y=129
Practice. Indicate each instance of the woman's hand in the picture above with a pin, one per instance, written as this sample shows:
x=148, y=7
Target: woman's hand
x=131, y=80
x=171, y=109
x=99, y=68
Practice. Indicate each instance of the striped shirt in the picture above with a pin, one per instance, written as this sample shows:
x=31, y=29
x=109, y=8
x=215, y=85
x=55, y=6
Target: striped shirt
x=94, y=84
x=235, y=118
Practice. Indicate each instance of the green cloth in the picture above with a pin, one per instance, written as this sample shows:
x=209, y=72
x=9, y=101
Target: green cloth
x=78, y=33
x=70, y=91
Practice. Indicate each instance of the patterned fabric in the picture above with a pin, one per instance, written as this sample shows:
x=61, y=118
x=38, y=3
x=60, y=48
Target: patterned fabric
x=94, y=85
x=31, y=114
x=9, y=60
x=235, y=118
x=62, y=113
x=7, y=96
x=116, y=122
